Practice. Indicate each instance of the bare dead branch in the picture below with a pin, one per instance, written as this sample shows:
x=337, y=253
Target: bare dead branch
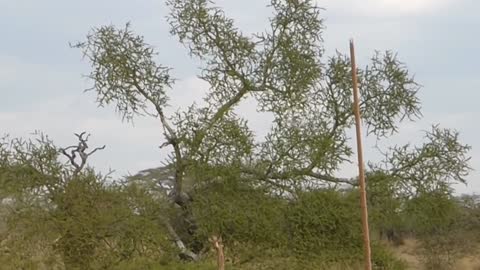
x=79, y=150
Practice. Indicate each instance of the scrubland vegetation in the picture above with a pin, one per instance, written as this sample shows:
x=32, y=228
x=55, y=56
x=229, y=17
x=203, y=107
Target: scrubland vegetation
x=276, y=201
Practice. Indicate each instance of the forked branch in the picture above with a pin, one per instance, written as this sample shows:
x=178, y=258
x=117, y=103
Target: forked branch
x=79, y=150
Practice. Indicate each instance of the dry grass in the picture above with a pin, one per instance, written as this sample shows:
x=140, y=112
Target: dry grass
x=471, y=262
x=409, y=252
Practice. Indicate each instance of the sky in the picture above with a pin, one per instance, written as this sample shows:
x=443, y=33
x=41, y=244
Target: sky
x=42, y=82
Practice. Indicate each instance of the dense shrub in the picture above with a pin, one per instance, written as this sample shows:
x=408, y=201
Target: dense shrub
x=240, y=213
x=326, y=223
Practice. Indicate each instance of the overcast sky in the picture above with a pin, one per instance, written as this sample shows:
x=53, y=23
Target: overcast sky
x=41, y=83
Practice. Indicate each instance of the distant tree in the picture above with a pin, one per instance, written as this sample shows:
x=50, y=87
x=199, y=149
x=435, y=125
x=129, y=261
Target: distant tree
x=284, y=69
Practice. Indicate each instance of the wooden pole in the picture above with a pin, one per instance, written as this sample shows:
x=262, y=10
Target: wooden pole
x=361, y=170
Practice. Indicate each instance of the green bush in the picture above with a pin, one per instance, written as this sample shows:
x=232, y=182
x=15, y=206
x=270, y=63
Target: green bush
x=240, y=214
x=326, y=223
x=384, y=259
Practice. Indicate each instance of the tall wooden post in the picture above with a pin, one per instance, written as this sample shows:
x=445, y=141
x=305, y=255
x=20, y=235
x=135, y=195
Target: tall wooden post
x=361, y=169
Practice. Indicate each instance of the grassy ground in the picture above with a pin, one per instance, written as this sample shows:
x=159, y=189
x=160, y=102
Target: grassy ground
x=409, y=252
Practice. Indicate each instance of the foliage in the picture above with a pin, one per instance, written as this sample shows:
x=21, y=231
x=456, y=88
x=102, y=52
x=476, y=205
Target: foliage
x=384, y=205
x=240, y=213
x=68, y=215
x=440, y=223
x=432, y=213
x=276, y=200
x=327, y=223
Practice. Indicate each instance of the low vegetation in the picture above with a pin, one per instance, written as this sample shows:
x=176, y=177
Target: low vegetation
x=276, y=202
x=55, y=216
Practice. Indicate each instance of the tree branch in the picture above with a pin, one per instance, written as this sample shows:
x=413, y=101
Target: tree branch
x=79, y=150
x=178, y=241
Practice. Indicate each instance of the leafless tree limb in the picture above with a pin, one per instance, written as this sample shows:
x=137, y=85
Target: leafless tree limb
x=79, y=150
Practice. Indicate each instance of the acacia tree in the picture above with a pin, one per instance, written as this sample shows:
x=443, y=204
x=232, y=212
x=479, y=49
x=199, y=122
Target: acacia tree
x=284, y=69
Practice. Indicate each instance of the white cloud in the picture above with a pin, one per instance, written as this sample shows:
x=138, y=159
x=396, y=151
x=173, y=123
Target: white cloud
x=406, y=6
x=384, y=8
x=186, y=91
